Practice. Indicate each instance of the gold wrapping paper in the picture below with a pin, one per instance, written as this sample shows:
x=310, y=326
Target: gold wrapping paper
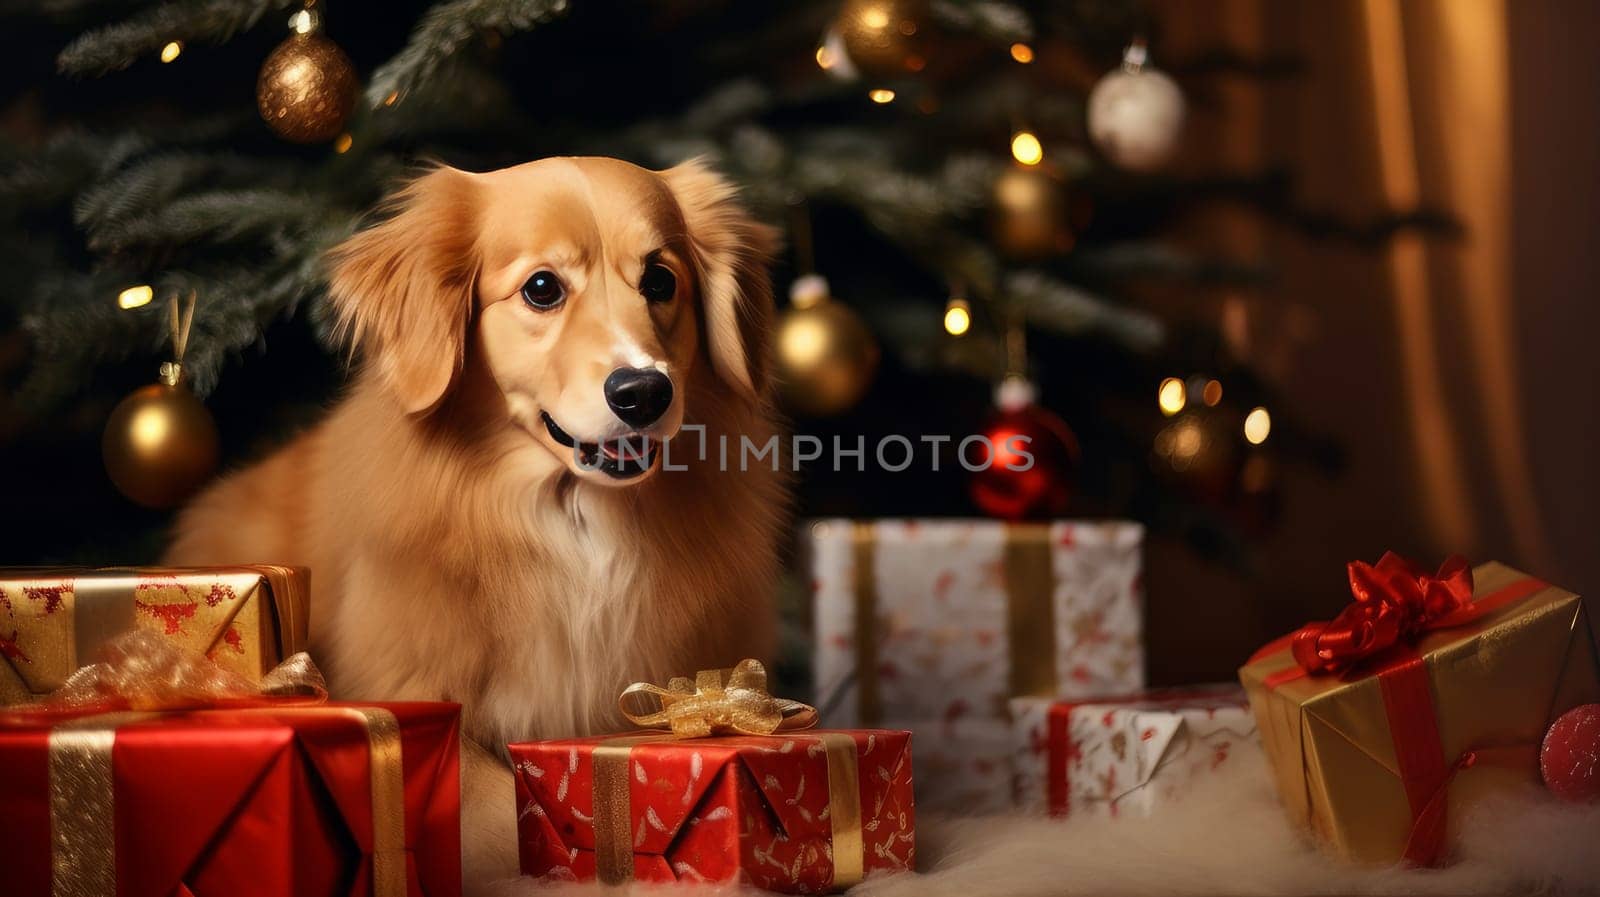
x=1030, y=615
x=52, y=620
x=1496, y=684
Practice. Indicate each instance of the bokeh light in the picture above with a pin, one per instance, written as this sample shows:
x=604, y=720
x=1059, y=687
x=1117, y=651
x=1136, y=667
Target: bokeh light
x=1172, y=396
x=957, y=317
x=1025, y=148
x=1257, y=425
x=136, y=296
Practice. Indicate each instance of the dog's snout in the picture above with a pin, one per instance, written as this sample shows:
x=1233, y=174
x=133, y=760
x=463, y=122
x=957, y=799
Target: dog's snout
x=639, y=396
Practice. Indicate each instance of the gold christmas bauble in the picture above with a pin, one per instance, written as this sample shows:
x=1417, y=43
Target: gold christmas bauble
x=826, y=355
x=307, y=89
x=884, y=38
x=1029, y=214
x=160, y=445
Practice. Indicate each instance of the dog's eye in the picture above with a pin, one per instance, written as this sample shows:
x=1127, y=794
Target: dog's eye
x=543, y=290
x=658, y=283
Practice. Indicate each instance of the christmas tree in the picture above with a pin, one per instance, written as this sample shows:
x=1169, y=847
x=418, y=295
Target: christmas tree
x=984, y=183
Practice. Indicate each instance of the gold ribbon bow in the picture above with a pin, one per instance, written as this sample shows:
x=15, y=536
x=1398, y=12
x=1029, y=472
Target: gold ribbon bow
x=142, y=671
x=141, y=675
x=717, y=702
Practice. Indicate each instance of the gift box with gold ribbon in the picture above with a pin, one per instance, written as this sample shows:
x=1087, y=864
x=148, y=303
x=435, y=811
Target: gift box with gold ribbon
x=1427, y=692
x=934, y=625
x=245, y=618
x=239, y=793
x=727, y=794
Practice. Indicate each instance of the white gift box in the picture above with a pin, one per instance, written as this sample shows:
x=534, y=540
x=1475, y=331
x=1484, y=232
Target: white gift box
x=1129, y=755
x=934, y=625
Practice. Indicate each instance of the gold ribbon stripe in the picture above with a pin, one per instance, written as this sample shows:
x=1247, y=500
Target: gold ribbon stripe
x=83, y=798
x=102, y=608
x=844, y=808
x=289, y=606
x=1030, y=609
x=613, y=808
x=83, y=838
x=1029, y=570
x=388, y=798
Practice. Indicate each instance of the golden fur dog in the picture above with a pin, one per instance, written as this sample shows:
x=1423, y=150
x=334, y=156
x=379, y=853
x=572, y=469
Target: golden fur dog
x=475, y=531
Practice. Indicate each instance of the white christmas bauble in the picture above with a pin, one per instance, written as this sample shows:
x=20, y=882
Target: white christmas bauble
x=1135, y=117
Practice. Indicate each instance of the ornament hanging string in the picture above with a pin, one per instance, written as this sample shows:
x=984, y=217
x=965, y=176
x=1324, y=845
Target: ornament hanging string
x=1016, y=347
x=181, y=324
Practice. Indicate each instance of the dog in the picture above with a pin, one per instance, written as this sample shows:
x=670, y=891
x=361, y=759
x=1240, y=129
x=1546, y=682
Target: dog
x=497, y=513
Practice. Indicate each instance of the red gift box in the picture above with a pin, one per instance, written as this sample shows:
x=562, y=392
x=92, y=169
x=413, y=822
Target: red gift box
x=292, y=801
x=800, y=812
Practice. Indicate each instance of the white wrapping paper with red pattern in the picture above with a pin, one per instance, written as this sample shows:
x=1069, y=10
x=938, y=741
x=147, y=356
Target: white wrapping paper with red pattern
x=1131, y=754
x=934, y=625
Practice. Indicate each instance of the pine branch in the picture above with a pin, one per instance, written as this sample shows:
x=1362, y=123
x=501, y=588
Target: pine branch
x=152, y=182
x=444, y=31
x=51, y=174
x=75, y=328
x=1048, y=303
x=471, y=101
x=216, y=217
x=992, y=19
x=118, y=46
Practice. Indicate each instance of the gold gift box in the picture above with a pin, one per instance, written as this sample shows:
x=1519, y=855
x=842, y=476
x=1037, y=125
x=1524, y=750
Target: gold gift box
x=1497, y=684
x=246, y=618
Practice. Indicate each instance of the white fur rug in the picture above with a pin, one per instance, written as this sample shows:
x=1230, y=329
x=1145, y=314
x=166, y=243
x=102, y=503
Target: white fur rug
x=1228, y=838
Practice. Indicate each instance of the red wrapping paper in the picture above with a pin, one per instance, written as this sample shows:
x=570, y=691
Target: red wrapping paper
x=739, y=808
x=249, y=803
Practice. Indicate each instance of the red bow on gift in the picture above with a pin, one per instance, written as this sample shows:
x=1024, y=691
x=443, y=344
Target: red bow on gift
x=1395, y=602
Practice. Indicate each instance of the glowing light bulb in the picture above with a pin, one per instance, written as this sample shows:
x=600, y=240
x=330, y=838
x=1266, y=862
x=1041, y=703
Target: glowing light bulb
x=881, y=96
x=1022, y=53
x=1257, y=425
x=134, y=297
x=824, y=58
x=171, y=51
x=302, y=22
x=1212, y=393
x=343, y=144
x=1025, y=148
x=957, y=317
x=1172, y=396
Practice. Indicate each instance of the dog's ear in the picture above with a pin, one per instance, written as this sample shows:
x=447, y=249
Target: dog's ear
x=731, y=253
x=402, y=289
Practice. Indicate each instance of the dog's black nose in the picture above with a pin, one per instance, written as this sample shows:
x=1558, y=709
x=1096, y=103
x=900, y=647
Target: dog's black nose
x=639, y=396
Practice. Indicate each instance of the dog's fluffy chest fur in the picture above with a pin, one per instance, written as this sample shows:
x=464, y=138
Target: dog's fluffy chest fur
x=490, y=580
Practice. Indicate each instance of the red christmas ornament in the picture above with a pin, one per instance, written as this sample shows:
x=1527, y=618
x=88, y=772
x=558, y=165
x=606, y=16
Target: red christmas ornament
x=1028, y=461
x=1570, y=758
